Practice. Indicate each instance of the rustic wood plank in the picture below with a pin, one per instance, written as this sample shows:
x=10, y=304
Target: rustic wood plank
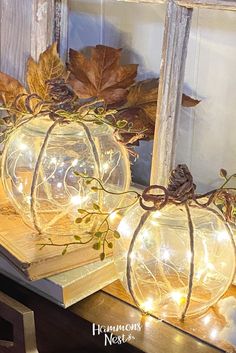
x=61, y=13
x=15, y=39
x=26, y=29
x=175, y=42
x=229, y=5
x=145, y=1
x=42, y=26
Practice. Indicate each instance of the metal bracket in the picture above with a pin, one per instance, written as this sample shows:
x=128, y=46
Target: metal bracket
x=22, y=319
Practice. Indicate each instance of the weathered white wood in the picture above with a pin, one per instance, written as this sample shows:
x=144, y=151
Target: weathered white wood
x=211, y=4
x=175, y=42
x=145, y=1
x=229, y=5
x=61, y=12
x=28, y=27
x=42, y=26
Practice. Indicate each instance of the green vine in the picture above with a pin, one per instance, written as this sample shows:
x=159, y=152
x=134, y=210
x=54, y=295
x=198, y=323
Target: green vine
x=102, y=238
x=91, y=112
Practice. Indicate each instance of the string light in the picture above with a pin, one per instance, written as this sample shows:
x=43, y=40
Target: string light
x=133, y=256
x=214, y=334
x=23, y=146
x=165, y=255
x=147, y=305
x=105, y=167
x=222, y=236
x=53, y=160
x=76, y=200
x=206, y=319
x=189, y=255
x=36, y=156
x=75, y=162
x=124, y=229
x=20, y=188
x=178, y=297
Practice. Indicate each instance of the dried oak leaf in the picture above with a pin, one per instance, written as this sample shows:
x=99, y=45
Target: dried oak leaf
x=140, y=107
x=10, y=88
x=49, y=67
x=101, y=75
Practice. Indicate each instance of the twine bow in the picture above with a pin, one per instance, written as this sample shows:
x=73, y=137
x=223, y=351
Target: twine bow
x=181, y=191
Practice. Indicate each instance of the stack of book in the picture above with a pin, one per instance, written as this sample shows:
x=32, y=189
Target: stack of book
x=64, y=279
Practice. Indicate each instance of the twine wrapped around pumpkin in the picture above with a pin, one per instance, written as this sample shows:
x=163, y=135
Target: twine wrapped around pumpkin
x=180, y=191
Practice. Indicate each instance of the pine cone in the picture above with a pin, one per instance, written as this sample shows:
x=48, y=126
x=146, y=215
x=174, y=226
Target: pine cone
x=61, y=94
x=181, y=186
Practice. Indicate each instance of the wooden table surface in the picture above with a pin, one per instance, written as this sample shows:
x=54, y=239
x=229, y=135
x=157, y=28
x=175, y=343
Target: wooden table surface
x=70, y=331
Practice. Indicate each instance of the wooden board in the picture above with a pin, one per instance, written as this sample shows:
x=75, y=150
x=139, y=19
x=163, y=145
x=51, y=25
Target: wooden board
x=227, y=5
x=206, y=327
x=28, y=27
x=174, y=52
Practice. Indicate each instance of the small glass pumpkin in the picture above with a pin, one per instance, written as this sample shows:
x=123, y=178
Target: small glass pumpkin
x=161, y=257
x=39, y=162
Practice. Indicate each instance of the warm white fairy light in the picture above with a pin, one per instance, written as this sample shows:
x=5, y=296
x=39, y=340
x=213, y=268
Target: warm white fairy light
x=165, y=255
x=28, y=200
x=53, y=160
x=222, y=236
x=162, y=267
x=75, y=162
x=145, y=235
x=133, y=256
x=20, y=188
x=206, y=319
x=105, y=167
x=76, y=200
x=214, y=333
x=178, y=297
x=189, y=255
x=23, y=146
x=147, y=305
x=113, y=216
x=210, y=266
x=156, y=214
x=124, y=229
x=51, y=192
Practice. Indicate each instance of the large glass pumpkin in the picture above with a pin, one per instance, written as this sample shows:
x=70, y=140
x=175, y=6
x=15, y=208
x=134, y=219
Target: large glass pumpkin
x=39, y=162
x=161, y=259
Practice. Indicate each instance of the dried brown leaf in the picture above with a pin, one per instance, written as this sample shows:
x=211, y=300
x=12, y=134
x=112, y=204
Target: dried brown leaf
x=141, y=105
x=189, y=102
x=49, y=67
x=10, y=88
x=101, y=75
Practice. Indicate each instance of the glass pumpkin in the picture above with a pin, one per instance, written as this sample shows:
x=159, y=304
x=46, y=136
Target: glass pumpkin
x=161, y=257
x=38, y=166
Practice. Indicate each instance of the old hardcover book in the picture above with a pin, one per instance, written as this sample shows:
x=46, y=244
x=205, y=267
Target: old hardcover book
x=69, y=287
x=20, y=246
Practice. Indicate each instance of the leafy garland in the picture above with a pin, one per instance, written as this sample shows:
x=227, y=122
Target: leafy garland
x=89, y=90
x=104, y=234
x=63, y=92
x=224, y=198
x=50, y=92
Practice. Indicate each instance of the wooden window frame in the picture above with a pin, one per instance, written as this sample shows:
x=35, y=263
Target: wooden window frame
x=174, y=53
x=53, y=25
